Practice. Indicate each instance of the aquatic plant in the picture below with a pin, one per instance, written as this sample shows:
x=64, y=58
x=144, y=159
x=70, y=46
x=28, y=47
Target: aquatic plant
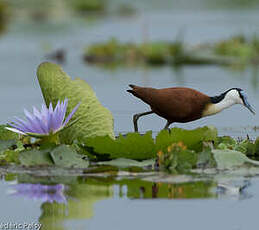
x=177, y=158
x=3, y=16
x=95, y=119
x=152, y=53
x=42, y=123
x=237, y=50
x=89, y=5
x=237, y=46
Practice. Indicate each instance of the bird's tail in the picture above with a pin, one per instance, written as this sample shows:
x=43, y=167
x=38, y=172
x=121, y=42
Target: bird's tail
x=132, y=91
x=144, y=93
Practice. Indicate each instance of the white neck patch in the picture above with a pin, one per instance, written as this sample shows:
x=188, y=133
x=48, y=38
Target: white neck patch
x=231, y=98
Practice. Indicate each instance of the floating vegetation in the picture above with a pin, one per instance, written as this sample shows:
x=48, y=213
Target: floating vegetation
x=125, y=9
x=239, y=47
x=129, y=53
x=3, y=16
x=237, y=50
x=86, y=6
x=89, y=144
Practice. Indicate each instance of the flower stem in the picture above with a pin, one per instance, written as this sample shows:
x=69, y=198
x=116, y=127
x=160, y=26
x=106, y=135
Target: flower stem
x=52, y=138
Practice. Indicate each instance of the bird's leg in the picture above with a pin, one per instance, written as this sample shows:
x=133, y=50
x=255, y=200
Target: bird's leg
x=137, y=116
x=167, y=126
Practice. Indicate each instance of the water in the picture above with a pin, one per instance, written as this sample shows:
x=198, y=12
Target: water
x=92, y=203
x=120, y=203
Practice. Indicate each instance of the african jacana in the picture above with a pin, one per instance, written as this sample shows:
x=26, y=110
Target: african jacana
x=180, y=104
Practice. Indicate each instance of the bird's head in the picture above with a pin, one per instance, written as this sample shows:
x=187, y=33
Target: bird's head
x=238, y=96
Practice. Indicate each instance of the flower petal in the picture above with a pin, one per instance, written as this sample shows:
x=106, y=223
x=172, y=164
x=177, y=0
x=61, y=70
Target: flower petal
x=42, y=123
x=39, y=118
x=24, y=126
x=64, y=110
x=15, y=130
x=71, y=114
x=32, y=121
x=57, y=116
x=44, y=115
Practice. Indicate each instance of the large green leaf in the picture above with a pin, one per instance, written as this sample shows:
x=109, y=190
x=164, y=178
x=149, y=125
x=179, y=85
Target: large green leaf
x=132, y=146
x=35, y=158
x=64, y=156
x=228, y=159
x=138, y=147
x=95, y=120
x=193, y=139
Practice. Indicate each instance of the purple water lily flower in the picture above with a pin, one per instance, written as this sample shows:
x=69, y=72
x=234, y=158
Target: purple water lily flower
x=45, y=122
x=45, y=193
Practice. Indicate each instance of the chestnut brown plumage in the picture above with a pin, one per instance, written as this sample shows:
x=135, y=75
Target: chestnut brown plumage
x=179, y=104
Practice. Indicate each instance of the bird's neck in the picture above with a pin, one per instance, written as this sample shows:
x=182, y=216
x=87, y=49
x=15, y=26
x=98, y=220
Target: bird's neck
x=217, y=104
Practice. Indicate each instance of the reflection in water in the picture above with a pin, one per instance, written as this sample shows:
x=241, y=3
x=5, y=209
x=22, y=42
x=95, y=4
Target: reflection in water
x=232, y=190
x=139, y=189
x=75, y=200
x=81, y=198
x=45, y=193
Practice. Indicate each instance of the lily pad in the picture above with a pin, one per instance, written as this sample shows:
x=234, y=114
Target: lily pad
x=228, y=159
x=64, y=156
x=94, y=119
x=132, y=146
x=124, y=163
x=192, y=139
x=35, y=158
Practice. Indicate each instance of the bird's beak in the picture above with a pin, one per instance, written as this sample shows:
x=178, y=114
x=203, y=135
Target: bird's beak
x=247, y=105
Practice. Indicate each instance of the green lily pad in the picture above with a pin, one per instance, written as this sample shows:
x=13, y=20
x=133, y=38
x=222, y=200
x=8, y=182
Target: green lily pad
x=64, y=156
x=125, y=163
x=228, y=159
x=35, y=158
x=192, y=139
x=132, y=146
x=95, y=120
x=140, y=147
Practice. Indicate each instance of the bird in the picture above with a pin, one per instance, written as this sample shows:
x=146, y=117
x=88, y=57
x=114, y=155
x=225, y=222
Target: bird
x=180, y=104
